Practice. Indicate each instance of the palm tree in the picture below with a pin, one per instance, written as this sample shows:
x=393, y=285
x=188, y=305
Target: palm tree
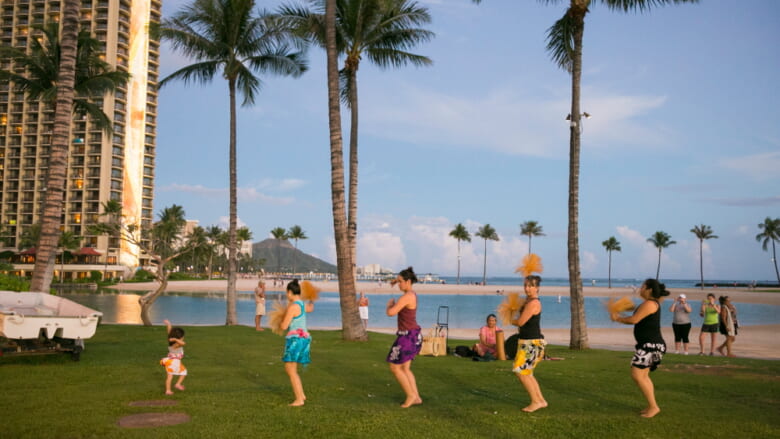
x=770, y=233
x=112, y=211
x=226, y=35
x=461, y=234
x=214, y=234
x=564, y=43
x=351, y=324
x=611, y=244
x=56, y=69
x=68, y=241
x=296, y=233
x=660, y=240
x=383, y=32
x=279, y=234
x=531, y=229
x=702, y=232
x=486, y=232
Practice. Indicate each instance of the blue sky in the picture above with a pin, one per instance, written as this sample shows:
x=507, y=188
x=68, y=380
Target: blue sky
x=684, y=132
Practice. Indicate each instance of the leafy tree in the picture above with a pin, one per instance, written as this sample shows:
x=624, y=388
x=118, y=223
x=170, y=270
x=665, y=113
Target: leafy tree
x=770, y=232
x=531, y=229
x=279, y=235
x=381, y=30
x=162, y=242
x=227, y=35
x=702, y=232
x=461, y=234
x=486, y=232
x=611, y=244
x=660, y=240
x=564, y=43
x=217, y=239
x=295, y=233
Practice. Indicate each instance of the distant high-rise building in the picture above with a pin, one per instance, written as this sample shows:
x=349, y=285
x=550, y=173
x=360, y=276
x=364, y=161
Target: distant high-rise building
x=101, y=167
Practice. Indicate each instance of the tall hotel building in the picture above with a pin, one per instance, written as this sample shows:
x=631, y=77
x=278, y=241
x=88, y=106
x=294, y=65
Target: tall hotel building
x=101, y=167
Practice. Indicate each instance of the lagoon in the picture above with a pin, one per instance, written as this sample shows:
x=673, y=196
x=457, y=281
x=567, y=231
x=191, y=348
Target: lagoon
x=465, y=311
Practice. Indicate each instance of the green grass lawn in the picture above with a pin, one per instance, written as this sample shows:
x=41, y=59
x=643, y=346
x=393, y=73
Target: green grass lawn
x=237, y=388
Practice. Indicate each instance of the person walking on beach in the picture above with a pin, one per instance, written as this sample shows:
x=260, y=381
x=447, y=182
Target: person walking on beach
x=728, y=325
x=409, y=337
x=172, y=362
x=530, y=343
x=363, y=309
x=259, y=304
x=650, y=345
x=681, y=322
x=297, y=347
x=710, y=311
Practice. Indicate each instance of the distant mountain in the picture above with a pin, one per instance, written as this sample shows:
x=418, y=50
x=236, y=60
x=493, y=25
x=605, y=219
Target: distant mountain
x=278, y=256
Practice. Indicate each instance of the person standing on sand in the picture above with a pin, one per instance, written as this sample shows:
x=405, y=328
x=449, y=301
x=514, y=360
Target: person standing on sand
x=409, y=337
x=650, y=345
x=710, y=311
x=681, y=323
x=728, y=325
x=259, y=304
x=363, y=309
x=530, y=344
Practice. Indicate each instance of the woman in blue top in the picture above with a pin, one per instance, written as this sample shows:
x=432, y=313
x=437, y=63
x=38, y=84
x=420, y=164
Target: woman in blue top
x=650, y=344
x=298, y=341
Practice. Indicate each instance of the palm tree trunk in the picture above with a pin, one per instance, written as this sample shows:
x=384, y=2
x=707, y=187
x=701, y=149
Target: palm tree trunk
x=609, y=272
x=529, y=244
x=294, y=255
x=232, y=319
x=147, y=300
x=658, y=270
x=774, y=256
x=701, y=262
x=484, y=265
x=55, y=180
x=353, y=168
x=459, y=262
x=352, y=326
x=579, y=330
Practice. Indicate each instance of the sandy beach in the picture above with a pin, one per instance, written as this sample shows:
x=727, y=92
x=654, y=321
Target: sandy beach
x=759, y=341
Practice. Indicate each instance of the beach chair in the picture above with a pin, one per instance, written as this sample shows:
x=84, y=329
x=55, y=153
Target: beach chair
x=443, y=324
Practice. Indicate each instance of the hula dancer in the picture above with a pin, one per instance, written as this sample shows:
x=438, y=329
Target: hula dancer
x=409, y=341
x=298, y=341
x=650, y=345
x=530, y=344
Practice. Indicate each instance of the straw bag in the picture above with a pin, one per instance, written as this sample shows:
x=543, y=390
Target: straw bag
x=435, y=343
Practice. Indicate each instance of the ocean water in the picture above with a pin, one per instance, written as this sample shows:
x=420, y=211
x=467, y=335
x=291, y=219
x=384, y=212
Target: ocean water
x=600, y=282
x=457, y=311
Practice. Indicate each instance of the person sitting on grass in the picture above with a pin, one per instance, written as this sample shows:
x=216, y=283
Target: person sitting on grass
x=487, y=337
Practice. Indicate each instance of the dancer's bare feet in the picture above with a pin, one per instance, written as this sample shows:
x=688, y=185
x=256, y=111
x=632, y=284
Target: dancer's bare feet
x=534, y=406
x=720, y=350
x=168, y=392
x=179, y=386
x=296, y=403
x=260, y=329
x=650, y=412
x=408, y=403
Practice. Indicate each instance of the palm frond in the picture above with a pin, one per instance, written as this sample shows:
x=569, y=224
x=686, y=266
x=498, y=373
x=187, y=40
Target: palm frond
x=560, y=41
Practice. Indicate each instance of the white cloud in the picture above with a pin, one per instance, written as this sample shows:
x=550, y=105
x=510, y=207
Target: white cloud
x=743, y=230
x=244, y=194
x=224, y=222
x=507, y=121
x=589, y=262
x=760, y=167
x=632, y=236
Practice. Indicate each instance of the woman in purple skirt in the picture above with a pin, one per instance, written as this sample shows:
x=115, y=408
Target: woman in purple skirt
x=409, y=341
